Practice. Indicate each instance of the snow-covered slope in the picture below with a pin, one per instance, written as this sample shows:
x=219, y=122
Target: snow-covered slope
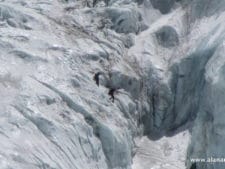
x=168, y=152
x=165, y=58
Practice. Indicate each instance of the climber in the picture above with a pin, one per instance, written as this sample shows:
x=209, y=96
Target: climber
x=96, y=77
x=193, y=166
x=111, y=93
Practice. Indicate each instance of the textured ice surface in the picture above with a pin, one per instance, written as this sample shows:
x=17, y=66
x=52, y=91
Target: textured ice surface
x=166, y=58
x=168, y=152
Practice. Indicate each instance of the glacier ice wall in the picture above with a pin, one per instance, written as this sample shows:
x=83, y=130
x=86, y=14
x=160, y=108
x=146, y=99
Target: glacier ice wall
x=164, y=57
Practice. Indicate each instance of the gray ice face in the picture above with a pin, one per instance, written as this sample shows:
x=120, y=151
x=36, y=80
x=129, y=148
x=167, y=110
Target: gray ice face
x=168, y=75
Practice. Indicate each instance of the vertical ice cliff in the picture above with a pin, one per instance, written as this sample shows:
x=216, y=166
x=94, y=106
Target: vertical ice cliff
x=164, y=57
